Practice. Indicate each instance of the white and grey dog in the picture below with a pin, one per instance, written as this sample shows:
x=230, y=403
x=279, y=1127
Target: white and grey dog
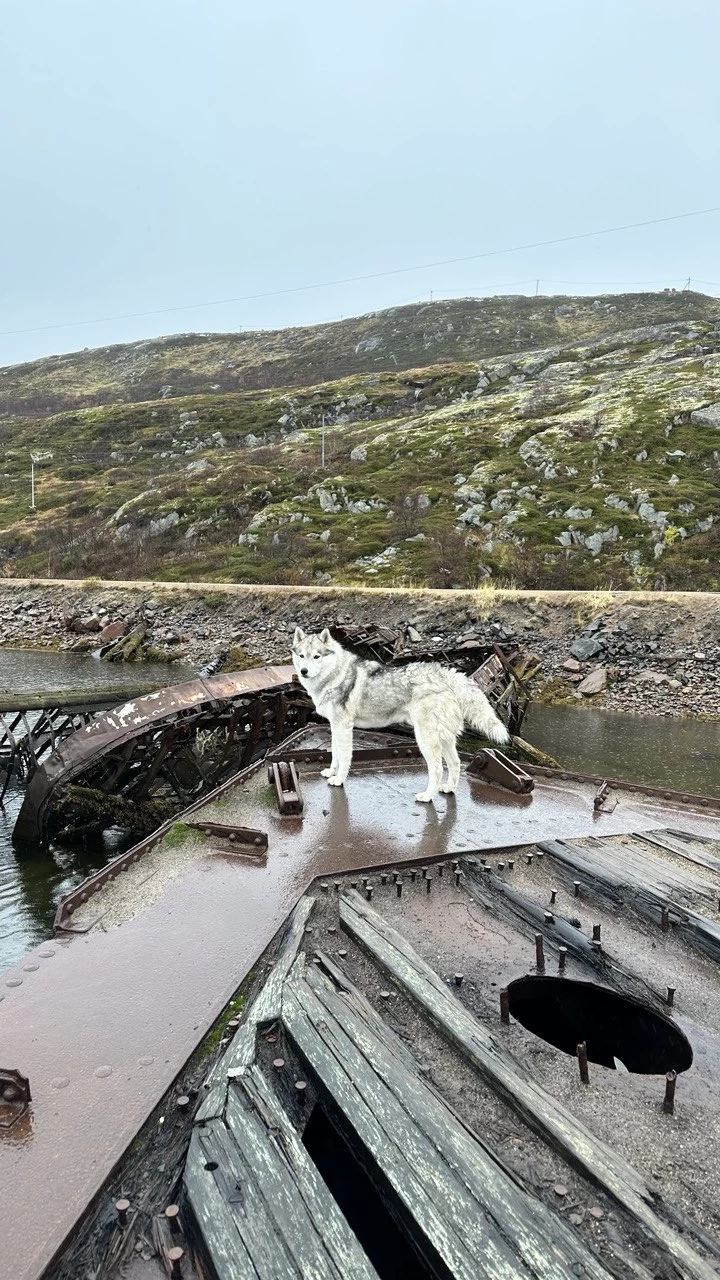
x=435, y=700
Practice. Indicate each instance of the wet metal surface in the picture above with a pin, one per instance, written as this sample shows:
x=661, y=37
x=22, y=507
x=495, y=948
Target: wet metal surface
x=102, y=1023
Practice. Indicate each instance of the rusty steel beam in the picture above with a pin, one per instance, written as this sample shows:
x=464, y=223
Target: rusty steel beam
x=283, y=777
x=497, y=767
x=637, y=788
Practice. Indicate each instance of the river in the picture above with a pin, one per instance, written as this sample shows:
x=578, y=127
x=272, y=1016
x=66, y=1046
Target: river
x=31, y=886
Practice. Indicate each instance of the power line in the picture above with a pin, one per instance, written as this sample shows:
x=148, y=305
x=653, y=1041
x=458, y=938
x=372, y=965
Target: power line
x=375, y=275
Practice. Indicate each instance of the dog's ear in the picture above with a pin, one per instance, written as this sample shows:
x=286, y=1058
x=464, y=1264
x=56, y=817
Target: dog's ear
x=299, y=635
x=326, y=638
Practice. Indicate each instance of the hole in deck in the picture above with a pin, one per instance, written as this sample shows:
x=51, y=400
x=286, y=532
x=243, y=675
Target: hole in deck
x=368, y=1204
x=615, y=1028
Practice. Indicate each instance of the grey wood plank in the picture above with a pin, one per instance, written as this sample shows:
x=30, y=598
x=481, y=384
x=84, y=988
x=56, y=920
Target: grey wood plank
x=302, y=1205
x=681, y=847
x=264, y=1008
x=477, y=1216
x=542, y=1112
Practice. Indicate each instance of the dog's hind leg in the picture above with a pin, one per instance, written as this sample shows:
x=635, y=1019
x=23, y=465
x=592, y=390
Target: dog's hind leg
x=426, y=736
x=452, y=760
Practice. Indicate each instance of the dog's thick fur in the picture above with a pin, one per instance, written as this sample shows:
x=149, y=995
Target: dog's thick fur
x=435, y=700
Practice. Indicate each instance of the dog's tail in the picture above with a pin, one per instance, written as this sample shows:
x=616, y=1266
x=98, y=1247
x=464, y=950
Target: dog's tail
x=476, y=710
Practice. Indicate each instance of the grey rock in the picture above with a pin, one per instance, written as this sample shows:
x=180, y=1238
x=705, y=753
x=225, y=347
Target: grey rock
x=707, y=417
x=359, y=453
x=594, y=683
x=585, y=647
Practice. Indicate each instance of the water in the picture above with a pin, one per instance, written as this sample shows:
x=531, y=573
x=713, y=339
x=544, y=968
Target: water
x=31, y=885
x=661, y=752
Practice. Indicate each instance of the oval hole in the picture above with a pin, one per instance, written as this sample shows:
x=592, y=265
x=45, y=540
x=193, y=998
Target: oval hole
x=565, y=1013
x=211, y=1165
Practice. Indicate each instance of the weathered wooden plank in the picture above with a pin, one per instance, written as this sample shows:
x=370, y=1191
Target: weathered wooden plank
x=264, y=1008
x=507, y=902
x=542, y=1112
x=302, y=1206
x=607, y=881
x=476, y=1215
x=682, y=847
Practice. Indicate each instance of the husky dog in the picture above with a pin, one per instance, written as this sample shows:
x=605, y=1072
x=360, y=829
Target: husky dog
x=435, y=700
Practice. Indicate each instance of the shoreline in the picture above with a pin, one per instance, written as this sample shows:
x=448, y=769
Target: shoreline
x=648, y=652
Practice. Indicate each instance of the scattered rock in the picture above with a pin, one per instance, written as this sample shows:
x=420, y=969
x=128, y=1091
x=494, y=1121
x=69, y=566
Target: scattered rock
x=594, y=683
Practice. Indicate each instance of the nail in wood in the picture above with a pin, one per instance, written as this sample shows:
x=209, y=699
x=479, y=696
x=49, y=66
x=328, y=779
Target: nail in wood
x=665, y=919
x=669, y=1099
x=670, y=997
x=539, y=951
x=505, y=1006
x=582, y=1058
x=562, y=958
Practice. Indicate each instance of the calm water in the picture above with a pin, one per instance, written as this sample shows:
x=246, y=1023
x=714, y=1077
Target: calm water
x=682, y=754
x=31, y=886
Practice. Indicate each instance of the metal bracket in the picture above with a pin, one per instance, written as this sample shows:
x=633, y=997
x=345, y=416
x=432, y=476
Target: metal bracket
x=499, y=768
x=600, y=801
x=14, y=1097
x=257, y=840
x=283, y=776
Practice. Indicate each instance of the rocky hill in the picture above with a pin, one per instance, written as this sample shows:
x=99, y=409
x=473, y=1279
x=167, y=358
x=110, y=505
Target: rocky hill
x=550, y=442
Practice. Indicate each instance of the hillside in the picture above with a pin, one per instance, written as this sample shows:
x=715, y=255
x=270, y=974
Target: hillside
x=592, y=461
x=400, y=338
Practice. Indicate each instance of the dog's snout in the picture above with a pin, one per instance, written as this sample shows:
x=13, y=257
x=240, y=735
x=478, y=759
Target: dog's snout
x=303, y=671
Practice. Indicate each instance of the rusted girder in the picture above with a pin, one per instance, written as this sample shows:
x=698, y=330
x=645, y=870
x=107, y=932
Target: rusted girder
x=249, y=836
x=496, y=767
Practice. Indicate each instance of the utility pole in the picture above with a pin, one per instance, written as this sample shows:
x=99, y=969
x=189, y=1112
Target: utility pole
x=322, y=438
x=687, y=283
x=32, y=484
x=431, y=294
x=537, y=288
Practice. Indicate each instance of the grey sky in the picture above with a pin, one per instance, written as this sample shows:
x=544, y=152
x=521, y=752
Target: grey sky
x=159, y=153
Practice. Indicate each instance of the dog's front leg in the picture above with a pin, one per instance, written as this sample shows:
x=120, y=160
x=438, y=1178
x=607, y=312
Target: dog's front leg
x=342, y=746
x=334, y=759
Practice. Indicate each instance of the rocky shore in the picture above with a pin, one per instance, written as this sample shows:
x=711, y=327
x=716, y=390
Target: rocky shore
x=642, y=652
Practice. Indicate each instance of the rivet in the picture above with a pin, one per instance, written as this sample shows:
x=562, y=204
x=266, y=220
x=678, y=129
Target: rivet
x=353, y=884
x=413, y=875
x=458, y=877
x=428, y=884
x=324, y=887
x=553, y=896
x=441, y=868
x=337, y=885
x=171, y=1213
x=596, y=933
x=576, y=888
x=383, y=878
x=342, y=953
x=549, y=917
x=529, y=859
x=398, y=888
x=384, y=995
x=183, y=1102
x=301, y=1091
x=670, y=997
x=511, y=864
x=368, y=892
x=459, y=979
x=175, y=1256
x=278, y=1063
x=121, y=1208
x=424, y=872
x=581, y=1052
x=501, y=866
x=332, y=929
x=562, y=957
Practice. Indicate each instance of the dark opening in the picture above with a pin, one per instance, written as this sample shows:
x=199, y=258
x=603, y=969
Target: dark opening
x=368, y=1206
x=566, y=1013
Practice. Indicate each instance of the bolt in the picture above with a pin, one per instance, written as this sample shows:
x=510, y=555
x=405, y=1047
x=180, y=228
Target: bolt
x=505, y=1006
x=278, y=1063
x=669, y=1099
x=413, y=875
x=582, y=1058
x=171, y=1213
x=670, y=997
x=553, y=896
x=332, y=929
x=596, y=933
x=441, y=868
x=183, y=1102
x=398, y=888
x=424, y=872
x=539, y=951
x=539, y=855
x=576, y=888
x=174, y=1257
x=428, y=884
x=383, y=878
x=459, y=979
x=342, y=953
x=563, y=957
x=353, y=884
x=511, y=864
x=529, y=859
x=456, y=865
x=665, y=919
x=501, y=866
x=458, y=877
x=549, y=917
x=366, y=881
x=368, y=892
x=301, y=1091
x=324, y=887
x=121, y=1209
x=337, y=885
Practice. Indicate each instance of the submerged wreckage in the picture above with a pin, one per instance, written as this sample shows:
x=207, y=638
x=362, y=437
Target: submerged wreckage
x=302, y=1031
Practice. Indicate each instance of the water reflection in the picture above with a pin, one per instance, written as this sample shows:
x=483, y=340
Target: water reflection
x=656, y=750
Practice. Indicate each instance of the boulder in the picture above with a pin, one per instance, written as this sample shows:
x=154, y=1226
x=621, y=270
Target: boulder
x=594, y=683
x=571, y=664
x=707, y=417
x=586, y=647
x=113, y=631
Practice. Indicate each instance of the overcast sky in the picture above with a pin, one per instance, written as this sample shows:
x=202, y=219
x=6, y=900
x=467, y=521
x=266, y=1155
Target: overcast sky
x=158, y=154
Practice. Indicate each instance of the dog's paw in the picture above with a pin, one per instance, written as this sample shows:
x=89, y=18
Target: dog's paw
x=336, y=782
x=448, y=789
x=425, y=797
x=327, y=773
